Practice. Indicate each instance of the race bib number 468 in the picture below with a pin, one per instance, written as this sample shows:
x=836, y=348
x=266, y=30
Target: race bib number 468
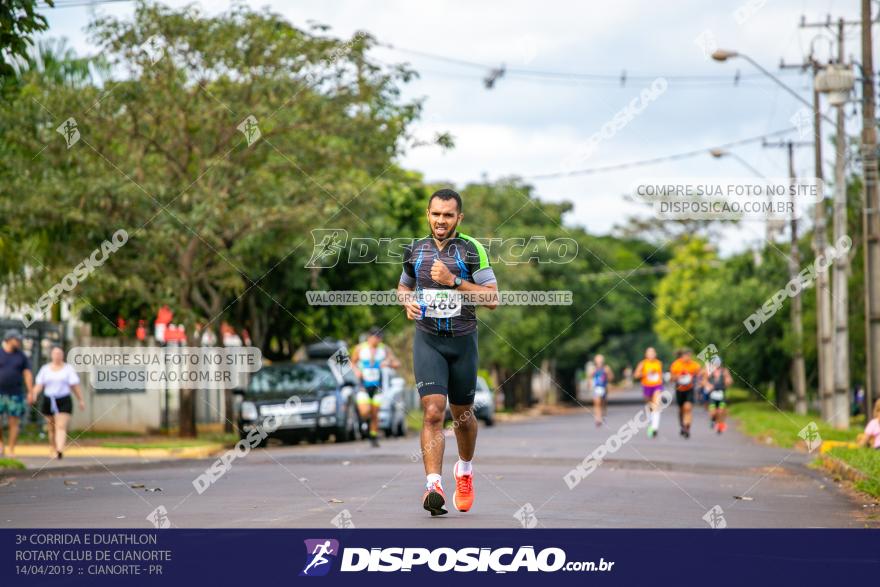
x=441, y=303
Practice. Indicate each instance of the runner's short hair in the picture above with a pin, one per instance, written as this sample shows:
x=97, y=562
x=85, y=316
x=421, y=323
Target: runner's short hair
x=446, y=194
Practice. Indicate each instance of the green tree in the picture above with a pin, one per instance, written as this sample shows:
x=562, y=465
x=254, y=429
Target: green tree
x=162, y=152
x=19, y=20
x=680, y=292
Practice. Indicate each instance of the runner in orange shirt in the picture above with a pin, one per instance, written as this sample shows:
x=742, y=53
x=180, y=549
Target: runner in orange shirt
x=685, y=373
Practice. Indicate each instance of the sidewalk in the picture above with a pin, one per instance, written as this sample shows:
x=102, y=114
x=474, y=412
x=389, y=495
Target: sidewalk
x=37, y=457
x=42, y=451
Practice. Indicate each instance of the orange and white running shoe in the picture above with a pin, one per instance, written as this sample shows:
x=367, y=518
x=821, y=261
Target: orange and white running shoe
x=434, y=500
x=463, y=498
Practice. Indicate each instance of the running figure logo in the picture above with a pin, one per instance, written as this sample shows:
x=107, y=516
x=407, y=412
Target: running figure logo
x=715, y=518
x=329, y=244
x=70, y=131
x=250, y=130
x=159, y=517
x=810, y=434
x=317, y=553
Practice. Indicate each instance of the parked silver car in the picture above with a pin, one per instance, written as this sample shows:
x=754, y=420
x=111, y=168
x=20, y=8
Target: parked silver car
x=393, y=410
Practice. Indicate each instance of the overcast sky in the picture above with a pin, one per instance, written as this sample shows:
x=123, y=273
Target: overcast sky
x=530, y=126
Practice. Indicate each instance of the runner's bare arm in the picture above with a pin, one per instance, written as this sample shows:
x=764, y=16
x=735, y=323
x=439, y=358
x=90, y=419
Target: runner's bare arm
x=391, y=360
x=353, y=359
x=413, y=311
x=406, y=285
x=637, y=374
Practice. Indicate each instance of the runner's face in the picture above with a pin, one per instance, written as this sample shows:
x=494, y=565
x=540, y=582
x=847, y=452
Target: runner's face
x=443, y=217
x=373, y=340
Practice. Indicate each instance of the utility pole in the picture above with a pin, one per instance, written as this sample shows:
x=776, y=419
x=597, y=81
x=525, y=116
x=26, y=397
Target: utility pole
x=798, y=368
x=836, y=79
x=824, y=324
x=824, y=320
x=871, y=215
x=840, y=301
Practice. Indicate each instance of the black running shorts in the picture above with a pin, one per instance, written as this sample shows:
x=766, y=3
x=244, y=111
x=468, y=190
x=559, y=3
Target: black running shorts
x=446, y=365
x=683, y=397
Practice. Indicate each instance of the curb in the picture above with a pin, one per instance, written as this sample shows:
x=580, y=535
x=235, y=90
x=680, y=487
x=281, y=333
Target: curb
x=7, y=475
x=189, y=452
x=841, y=469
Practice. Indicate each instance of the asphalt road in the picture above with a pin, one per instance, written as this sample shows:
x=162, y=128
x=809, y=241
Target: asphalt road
x=667, y=482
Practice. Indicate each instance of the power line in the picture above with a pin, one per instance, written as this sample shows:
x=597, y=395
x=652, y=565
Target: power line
x=77, y=3
x=619, y=79
x=706, y=85
x=628, y=273
x=655, y=160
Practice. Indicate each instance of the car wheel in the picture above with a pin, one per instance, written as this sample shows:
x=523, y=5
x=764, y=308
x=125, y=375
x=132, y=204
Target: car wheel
x=260, y=444
x=348, y=430
x=489, y=420
x=401, y=427
x=392, y=428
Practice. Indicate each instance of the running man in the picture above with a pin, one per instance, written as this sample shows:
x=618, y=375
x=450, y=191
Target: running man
x=15, y=370
x=600, y=376
x=650, y=371
x=685, y=372
x=367, y=361
x=445, y=355
x=719, y=380
x=319, y=552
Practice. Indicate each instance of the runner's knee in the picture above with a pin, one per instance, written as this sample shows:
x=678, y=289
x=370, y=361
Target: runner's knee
x=434, y=414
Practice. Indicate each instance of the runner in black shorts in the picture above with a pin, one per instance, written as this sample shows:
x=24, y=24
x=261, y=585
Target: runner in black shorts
x=437, y=268
x=719, y=379
x=685, y=373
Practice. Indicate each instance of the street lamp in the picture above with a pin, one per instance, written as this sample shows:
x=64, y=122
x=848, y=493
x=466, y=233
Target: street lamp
x=725, y=54
x=719, y=153
x=774, y=225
